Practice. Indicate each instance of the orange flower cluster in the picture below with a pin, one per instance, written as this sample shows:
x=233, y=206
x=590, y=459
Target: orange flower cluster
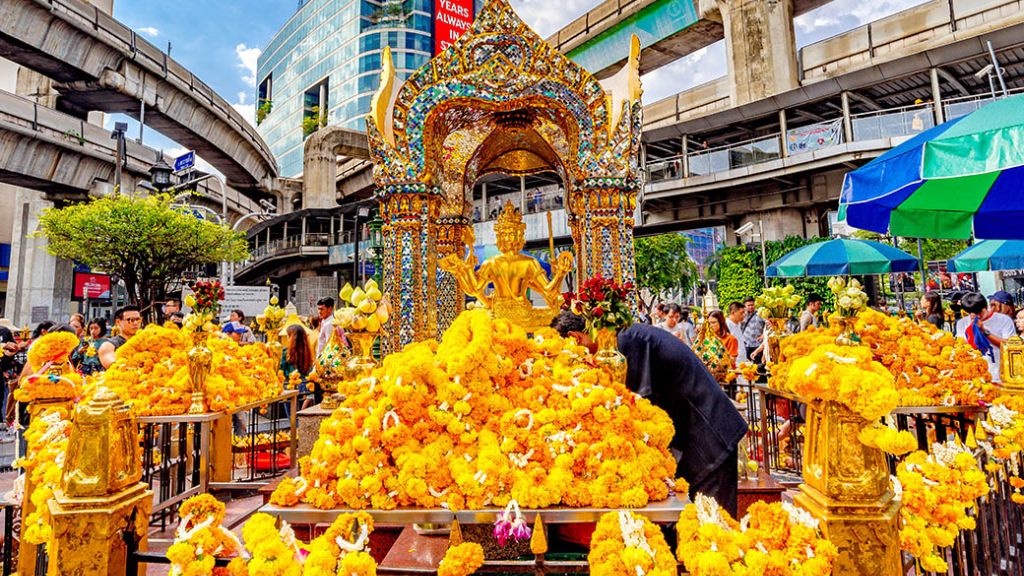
x=937, y=491
x=486, y=416
x=931, y=367
x=47, y=439
x=1001, y=435
x=48, y=354
x=200, y=538
x=151, y=372
x=772, y=539
x=625, y=544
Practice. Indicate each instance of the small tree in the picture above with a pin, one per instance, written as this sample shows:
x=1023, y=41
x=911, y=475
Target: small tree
x=144, y=240
x=662, y=265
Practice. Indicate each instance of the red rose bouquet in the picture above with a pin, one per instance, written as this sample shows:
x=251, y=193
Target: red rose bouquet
x=603, y=303
x=207, y=295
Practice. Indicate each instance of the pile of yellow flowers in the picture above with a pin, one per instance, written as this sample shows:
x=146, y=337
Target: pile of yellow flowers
x=342, y=549
x=200, y=539
x=931, y=366
x=486, y=416
x=776, y=539
x=47, y=437
x=263, y=440
x=626, y=543
x=461, y=559
x=151, y=372
x=273, y=551
x=50, y=350
x=845, y=374
x=1001, y=435
x=938, y=489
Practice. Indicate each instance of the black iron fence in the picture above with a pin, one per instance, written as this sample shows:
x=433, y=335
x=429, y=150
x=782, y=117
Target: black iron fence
x=175, y=460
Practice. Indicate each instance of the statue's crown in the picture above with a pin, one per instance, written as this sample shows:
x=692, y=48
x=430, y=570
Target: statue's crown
x=509, y=219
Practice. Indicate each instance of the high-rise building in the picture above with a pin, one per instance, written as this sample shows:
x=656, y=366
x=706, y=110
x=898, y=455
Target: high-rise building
x=323, y=66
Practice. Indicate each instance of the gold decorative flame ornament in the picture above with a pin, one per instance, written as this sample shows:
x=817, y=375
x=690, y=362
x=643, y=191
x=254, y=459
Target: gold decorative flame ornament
x=103, y=451
x=501, y=283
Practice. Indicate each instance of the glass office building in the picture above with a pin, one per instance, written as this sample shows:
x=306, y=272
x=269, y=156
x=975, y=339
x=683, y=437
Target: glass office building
x=325, y=63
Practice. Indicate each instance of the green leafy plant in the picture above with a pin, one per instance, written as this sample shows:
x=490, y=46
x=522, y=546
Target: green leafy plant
x=312, y=121
x=739, y=271
x=145, y=240
x=263, y=111
x=662, y=265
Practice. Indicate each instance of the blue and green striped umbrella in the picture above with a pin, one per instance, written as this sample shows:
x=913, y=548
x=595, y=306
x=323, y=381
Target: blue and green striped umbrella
x=989, y=255
x=961, y=177
x=843, y=257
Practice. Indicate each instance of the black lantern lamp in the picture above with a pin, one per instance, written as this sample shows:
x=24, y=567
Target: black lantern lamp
x=160, y=174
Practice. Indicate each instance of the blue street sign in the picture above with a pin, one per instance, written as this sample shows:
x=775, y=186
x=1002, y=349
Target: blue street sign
x=185, y=161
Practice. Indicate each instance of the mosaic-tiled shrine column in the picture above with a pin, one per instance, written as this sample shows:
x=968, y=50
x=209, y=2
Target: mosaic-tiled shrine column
x=450, y=240
x=410, y=265
x=602, y=231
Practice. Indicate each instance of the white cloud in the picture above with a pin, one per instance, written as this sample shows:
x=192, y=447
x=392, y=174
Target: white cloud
x=548, y=17
x=840, y=16
x=695, y=69
x=247, y=61
x=248, y=111
x=149, y=31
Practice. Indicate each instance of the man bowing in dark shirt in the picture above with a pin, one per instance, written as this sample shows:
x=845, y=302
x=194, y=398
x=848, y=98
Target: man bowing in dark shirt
x=708, y=428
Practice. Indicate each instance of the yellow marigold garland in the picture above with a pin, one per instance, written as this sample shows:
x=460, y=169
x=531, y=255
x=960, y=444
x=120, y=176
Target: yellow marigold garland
x=845, y=374
x=1001, y=436
x=274, y=551
x=47, y=438
x=461, y=560
x=483, y=417
x=931, y=366
x=342, y=548
x=200, y=539
x=626, y=544
x=888, y=439
x=52, y=348
x=775, y=539
x=151, y=372
x=937, y=490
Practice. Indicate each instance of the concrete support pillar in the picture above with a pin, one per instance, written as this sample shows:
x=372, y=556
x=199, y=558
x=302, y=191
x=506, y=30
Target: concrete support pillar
x=783, y=128
x=39, y=285
x=686, y=156
x=761, y=47
x=937, y=97
x=847, y=120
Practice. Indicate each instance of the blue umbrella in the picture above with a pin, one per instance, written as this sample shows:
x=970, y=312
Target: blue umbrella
x=989, y=255
x=843, y=257
x=961, y=177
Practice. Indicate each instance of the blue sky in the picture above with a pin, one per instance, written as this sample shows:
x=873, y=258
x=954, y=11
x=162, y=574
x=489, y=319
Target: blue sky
x=219, y=41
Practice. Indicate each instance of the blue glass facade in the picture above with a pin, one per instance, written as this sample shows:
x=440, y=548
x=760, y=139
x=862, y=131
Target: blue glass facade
x=328, y=55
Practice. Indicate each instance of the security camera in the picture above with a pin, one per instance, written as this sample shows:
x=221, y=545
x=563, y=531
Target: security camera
x=984, y=71
x=745, y=229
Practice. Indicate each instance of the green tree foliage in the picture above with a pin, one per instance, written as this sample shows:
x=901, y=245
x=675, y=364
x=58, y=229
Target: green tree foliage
x=739, y=271
x=144, y=240
x=662, y=265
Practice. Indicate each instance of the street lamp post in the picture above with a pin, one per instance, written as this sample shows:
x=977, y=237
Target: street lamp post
x=160, y=174
x=118, y=134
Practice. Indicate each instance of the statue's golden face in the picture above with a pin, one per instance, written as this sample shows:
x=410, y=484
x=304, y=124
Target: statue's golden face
x=511, y=238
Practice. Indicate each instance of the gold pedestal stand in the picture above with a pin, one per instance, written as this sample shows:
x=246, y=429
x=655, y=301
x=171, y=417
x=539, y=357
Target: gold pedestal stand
x=846, y=488
x=101, y=496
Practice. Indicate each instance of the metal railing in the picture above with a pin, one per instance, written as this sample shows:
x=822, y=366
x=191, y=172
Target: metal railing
x=877, y=125
x=266, y=446
x=175, y=452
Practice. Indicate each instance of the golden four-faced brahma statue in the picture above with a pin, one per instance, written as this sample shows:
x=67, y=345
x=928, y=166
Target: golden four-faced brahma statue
x=501, y=283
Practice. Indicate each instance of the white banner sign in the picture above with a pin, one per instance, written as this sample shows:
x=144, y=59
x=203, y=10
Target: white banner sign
x=249, y=299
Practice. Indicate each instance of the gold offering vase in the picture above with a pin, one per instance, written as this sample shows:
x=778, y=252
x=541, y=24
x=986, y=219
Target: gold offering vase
x=775, y=329
x=847, y=335
x=846, y=487
x=274, y=347
x=200, y=360
x=608, y=356
x=362, y=361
